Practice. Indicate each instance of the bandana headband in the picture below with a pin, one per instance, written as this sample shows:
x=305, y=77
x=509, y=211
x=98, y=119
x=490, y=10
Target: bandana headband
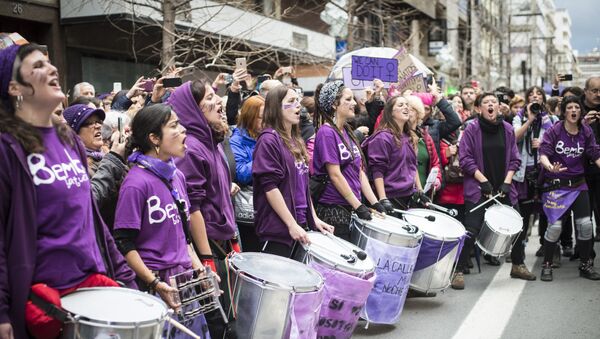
x=328, y=93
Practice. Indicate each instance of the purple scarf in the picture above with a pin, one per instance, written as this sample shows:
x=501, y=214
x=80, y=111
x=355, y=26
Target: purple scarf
x=164, y=170
x=95, y=155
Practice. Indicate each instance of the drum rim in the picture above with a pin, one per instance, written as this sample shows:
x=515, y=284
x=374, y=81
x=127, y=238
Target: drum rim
x=417, y=236
x=82, y=319
x=274, y=285
x=506, y=207
x=441, y=238
x=326, y=262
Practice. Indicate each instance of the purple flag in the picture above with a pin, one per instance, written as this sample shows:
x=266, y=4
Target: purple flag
x=557, y=202
x=344, y=297
x=394, y=268
x=305, y=314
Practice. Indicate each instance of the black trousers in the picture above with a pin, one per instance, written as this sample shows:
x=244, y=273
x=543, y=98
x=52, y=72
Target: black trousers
x=338, y=216
x=593, y=182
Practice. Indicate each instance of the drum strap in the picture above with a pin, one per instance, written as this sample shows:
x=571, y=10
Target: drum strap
x=49, y=308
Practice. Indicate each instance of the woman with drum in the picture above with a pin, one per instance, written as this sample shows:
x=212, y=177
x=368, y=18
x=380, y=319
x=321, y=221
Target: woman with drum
x=151, y=221
x=564, y=153
x=392, y=159
x=53, y=240
x=208, y=180
x=337, y=156
x=485, y=174
x=284, y=209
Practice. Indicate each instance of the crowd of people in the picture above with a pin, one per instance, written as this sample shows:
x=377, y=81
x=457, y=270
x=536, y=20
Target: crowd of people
x=130, y=188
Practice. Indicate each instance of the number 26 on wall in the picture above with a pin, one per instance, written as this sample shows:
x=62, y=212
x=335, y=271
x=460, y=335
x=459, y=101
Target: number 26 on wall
x=17, y=8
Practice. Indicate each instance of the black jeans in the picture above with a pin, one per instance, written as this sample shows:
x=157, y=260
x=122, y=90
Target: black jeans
x=593, y=182
x=278, y=248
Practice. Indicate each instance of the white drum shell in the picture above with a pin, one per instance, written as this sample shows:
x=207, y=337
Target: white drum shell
x=436, y=277
x=388, y=230
x=500, y=230
x=327, y=252
x=149, y=327
x=263, y=307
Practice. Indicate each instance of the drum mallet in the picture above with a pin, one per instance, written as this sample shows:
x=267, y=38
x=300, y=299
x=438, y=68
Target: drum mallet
x=362, y=255
x=428, y=217
x=182, y=328
x=450, y=211
x=485, y=202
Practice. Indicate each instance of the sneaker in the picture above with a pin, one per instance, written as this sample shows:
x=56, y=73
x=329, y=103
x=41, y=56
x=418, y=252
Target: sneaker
x=567, y=251
x=556, y=259
x=546, y=272
x=521, y=272
x=586, y=270
x=540, y=252
x=493, y=261
x=458, y=281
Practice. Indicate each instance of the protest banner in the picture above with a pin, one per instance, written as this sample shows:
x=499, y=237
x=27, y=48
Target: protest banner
x=369, y=68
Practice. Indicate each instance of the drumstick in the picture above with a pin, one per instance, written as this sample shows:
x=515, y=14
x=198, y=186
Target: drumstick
x=360, y=254
x=182, y=328
x=428, y=217
x=485, y=202
x=450, y=211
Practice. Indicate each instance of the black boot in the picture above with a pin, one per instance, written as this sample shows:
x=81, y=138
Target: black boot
x=546, y=272
x=586, y=270
x=493, y=261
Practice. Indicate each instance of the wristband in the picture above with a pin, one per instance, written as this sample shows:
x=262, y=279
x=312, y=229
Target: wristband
x=153, y=284
x=235, y=245
x=210, y=263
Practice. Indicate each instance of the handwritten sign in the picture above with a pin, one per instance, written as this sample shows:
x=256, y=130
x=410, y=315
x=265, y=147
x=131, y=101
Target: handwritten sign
x=557, y=202
x=395, y=266
x=344, y=297
x=369, y=68
x=354, y=84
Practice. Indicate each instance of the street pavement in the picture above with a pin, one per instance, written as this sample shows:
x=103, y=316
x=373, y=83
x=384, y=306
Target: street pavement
x=493, y=305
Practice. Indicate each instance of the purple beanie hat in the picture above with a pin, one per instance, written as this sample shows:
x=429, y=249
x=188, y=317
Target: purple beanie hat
x=7, y=60
x=76, y=115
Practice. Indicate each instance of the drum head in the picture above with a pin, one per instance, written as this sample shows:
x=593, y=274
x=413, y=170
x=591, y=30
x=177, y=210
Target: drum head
x=389, y=224
x=284, y=272
x=503, y=219
x=114, y=305
x=444, y=226
x=330, y=252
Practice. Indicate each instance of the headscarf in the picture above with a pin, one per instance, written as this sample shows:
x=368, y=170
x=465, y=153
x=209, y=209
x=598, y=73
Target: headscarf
x=327, y=95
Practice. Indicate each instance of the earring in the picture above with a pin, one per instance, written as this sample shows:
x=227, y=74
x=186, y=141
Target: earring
x=19, y=101
x=157, y=150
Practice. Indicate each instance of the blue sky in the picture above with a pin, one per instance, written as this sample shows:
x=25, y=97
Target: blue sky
x=585, y=27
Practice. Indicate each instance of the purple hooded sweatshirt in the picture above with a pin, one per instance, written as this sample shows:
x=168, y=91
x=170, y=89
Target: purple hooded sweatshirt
x=274, y=167
x=470, y=156
x=570, y=151
x=18, y=234
x=397, y=165
x=204, y=166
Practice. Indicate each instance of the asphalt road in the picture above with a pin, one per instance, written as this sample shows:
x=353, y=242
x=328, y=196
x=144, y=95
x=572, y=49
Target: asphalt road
x=493, y=305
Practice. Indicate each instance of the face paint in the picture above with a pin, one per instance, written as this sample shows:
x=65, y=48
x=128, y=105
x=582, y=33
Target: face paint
x=295, y=104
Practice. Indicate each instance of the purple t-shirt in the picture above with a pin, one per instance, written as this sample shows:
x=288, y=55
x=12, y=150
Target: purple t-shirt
x=300, y=194
x=571, y=151
x=145, y=204
x=397, y=165
x=67, y=251
x=330, y=149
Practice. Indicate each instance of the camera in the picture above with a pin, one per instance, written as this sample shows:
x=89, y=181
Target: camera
x=535, y=108
x=502, y=98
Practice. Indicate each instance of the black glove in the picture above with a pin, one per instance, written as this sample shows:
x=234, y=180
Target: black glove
x=505, y=189
x=420, y=198
x=363, y=212
x=379, y=207
x=387, y=204
x=486, y=188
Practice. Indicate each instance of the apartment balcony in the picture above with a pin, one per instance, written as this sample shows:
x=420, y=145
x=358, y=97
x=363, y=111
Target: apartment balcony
x=213, y=19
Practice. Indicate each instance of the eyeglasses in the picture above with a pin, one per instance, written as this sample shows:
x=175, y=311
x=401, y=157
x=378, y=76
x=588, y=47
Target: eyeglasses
x=594, y=90
x=89, y=123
